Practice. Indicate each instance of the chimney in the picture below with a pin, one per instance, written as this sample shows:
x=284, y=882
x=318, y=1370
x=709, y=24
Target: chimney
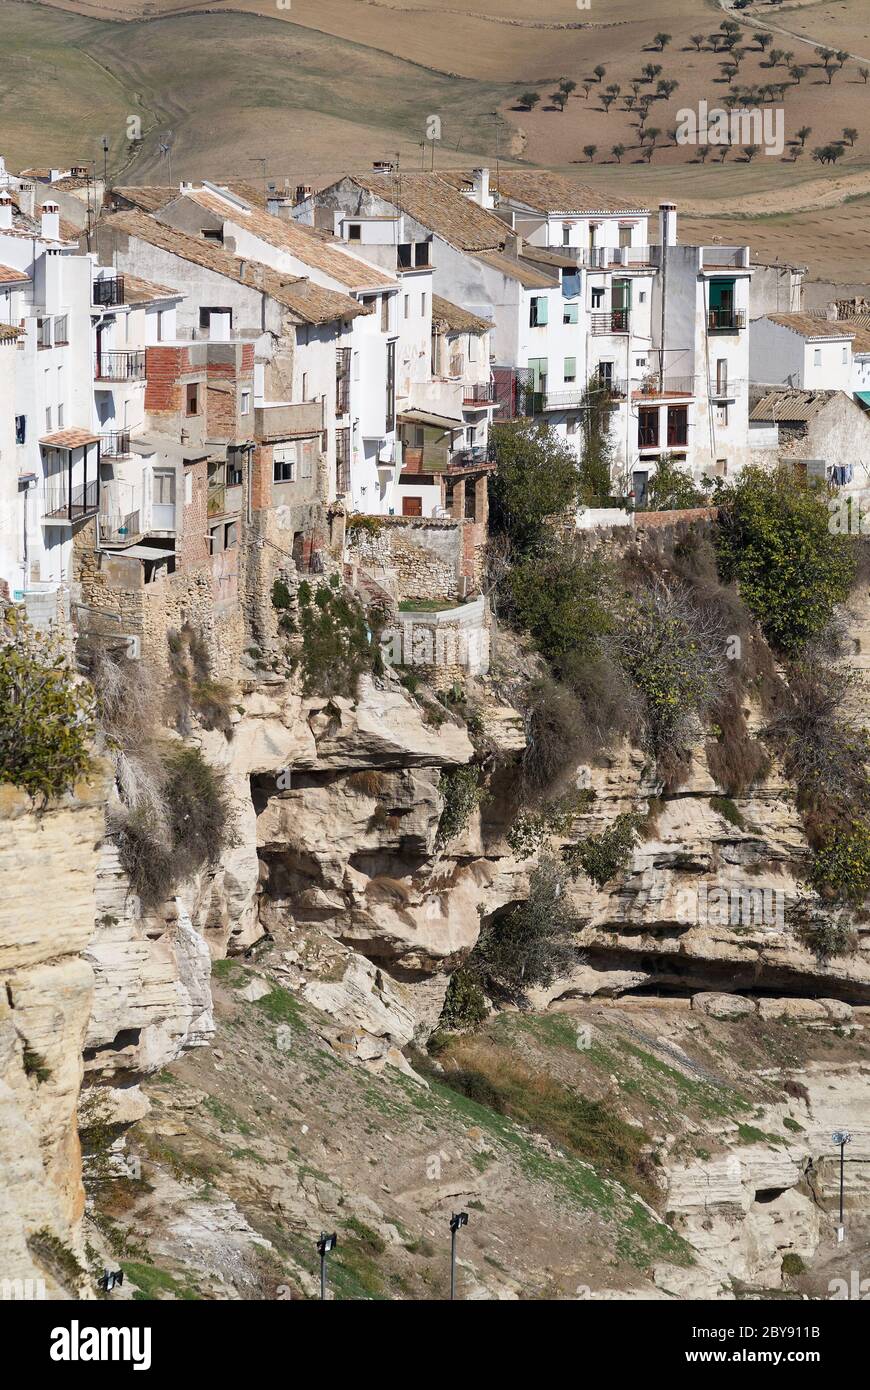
x=481, y=193
x=5, y=211
x=51, y=221
x=303, y=191
x=668, y=224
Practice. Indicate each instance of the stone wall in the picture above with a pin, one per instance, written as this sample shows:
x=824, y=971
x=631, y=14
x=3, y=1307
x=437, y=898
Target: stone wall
x=428, y=557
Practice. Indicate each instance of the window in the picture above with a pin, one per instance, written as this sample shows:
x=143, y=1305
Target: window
x=407, y=306
x=305, y=386
x=538, y=368
x=234, y=468
x=472, y=347
x=722, y=413
x=191, y=398
x=356, y=366
x=246, y=403
x=721, y=375
x=424, y=301
x=60, y=415
x=48, y=417
x=678, y=426
x=594, y=233
x=641, y=297
x=570, y=369
x=164, y=487
x=61, y=329
x=648, y=428
x=570, y=313
x=213, y=234
x=391, y=387
x=354, y=232
x=20, y=429
x=571, y=424
x=566, y=233
x=640, y=361
x=625, y=236
x=217, y=322
x=817, y=357
x=385, y=314
x=43, y=329
x=537, y=311
x=598, y=298
x=845, y=356
x=284, y=463
x=159, y=317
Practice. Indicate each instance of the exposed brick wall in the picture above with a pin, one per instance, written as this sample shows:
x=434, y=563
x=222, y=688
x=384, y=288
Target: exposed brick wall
x=192, y=547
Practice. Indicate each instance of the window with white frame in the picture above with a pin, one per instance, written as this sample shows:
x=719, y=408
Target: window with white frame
x=246, y=403
x=284, y=463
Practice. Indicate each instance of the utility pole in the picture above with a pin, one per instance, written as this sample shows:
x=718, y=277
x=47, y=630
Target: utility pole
x=457, y=1220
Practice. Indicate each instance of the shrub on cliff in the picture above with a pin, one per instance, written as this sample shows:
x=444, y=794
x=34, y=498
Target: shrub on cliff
x=531, y=943
x=46, y=715
x=536, y=478
x=193, y=687
x=840, y=868
x=558, y=595
x=774, y=539
x=337, y=644
x=601, y=857
x=461, y=794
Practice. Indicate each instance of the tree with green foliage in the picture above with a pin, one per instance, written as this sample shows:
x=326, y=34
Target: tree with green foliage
x=597, y=458
x=461, y=794
x=529, y=100
x=46, y=713
x=840, y=868
x=774, y=540
x=536, y=477
x=337, y=643
x=601, y=857
x=530, y=944
x=671, y=488
x=558, y=594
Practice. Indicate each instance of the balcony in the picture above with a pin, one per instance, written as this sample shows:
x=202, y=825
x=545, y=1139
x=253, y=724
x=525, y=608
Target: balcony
x=284, y=421
x=108, y=291
x=564, y=400
x=615, y=388
x=119, y=366
x=665, y=386
x=427, y=458
x=62, y=503
x=224, y=499
x=342, y=381
x=726, y=320
x=613, y=321
x=478, y=393
x=116, y=529
x=115, y=444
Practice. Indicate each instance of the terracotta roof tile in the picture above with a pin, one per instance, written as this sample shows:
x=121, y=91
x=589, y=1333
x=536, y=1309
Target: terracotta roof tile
x=456, y=319
x=69, y=439
x=527, y=275
x=545, y=192
x=137, y=291
x=311, y=303
x=441, y=207
x=317, y=249
x=10, y=276
x=791, y=407
x=808, y=327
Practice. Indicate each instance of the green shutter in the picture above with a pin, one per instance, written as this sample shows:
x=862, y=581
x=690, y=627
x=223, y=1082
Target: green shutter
x=543, y=306
x=570, y=368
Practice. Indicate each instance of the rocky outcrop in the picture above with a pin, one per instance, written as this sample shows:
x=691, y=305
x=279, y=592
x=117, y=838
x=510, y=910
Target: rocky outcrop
x=48, y=864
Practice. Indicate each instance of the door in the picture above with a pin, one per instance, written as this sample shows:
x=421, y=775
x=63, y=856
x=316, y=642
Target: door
x=412, y=506
x=638, y=484
x=621, y=305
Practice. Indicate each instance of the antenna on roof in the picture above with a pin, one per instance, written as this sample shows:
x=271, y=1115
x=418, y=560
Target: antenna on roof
x=164, y=148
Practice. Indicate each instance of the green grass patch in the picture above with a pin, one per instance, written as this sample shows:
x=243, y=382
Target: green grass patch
x=157, y=1283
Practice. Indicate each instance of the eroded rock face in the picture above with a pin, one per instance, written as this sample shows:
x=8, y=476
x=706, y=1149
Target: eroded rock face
x=48, y=866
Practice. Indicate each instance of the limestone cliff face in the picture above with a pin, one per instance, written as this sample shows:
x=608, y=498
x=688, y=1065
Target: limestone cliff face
x=48, y=866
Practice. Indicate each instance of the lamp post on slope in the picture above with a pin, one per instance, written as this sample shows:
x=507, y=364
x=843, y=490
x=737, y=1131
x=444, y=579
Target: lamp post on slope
x=842, y=1137
x=457, y=1220
x=326, y=1244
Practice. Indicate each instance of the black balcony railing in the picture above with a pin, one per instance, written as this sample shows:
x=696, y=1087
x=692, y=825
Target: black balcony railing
x=342, y=381
x=613, y=321
x=109, y=290
x=61, y=503
x=342, y=461
x=120, y=530
x=478, y=393
x=119, y=366
x=115, y=444
x=726, y=320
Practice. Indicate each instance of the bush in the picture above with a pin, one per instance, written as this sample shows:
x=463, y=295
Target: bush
x=46, y=716
x=826, y=932
x=193, y=686
x=773, y=538
x=530, y=944
x=673, y=652
x=536, y=478
x=725, y=807
x=792, y=1265
x=556, y=595
x=736, y=760
x=671, y=488
x=601, y=857
x=596, y=461
x=337, y=645
x=461, y=794
x=552, y=725
x=465, y=1003
x=840, y=868
x=158, y=851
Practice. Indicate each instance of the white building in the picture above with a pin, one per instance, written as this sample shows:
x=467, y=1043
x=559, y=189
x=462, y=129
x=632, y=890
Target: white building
x=802, y=352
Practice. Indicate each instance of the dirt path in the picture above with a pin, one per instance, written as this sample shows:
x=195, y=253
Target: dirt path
x=789, y=33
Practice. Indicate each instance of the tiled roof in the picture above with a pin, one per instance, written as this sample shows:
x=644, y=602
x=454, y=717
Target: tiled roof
x=317, y=249
x=455, y=319
x=546, y=192
x=10, y=276
x=543, y=255
x=138, y=291
x=69, y=439
x=791, y=407
x=527, y=275
x=808, y=327
x=311, y=303
x=147, y=197
x=861, y=340
x=441, y=207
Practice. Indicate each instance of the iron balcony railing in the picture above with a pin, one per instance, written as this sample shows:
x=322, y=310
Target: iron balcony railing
x=342, y=381
x=666, y=386
x=726, y=320
x=109, y=290
x=616, y=388
x=478, y=393
x=120, y=366
x=342, y=461
x=120, y=530
x=115, y=444
x=60, y=503
x=612, y=321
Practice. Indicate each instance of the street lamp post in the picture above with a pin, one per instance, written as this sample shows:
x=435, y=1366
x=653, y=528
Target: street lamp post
x=842, y=1137
x=110, y=1279
x=457, y=1220
x=324, y=1246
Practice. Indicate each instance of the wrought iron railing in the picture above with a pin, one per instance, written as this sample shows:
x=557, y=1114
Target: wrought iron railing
x=61, y=503
x=119, y=366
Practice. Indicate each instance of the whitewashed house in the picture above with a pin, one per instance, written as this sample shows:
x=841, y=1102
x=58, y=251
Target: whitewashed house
x=801, y=351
